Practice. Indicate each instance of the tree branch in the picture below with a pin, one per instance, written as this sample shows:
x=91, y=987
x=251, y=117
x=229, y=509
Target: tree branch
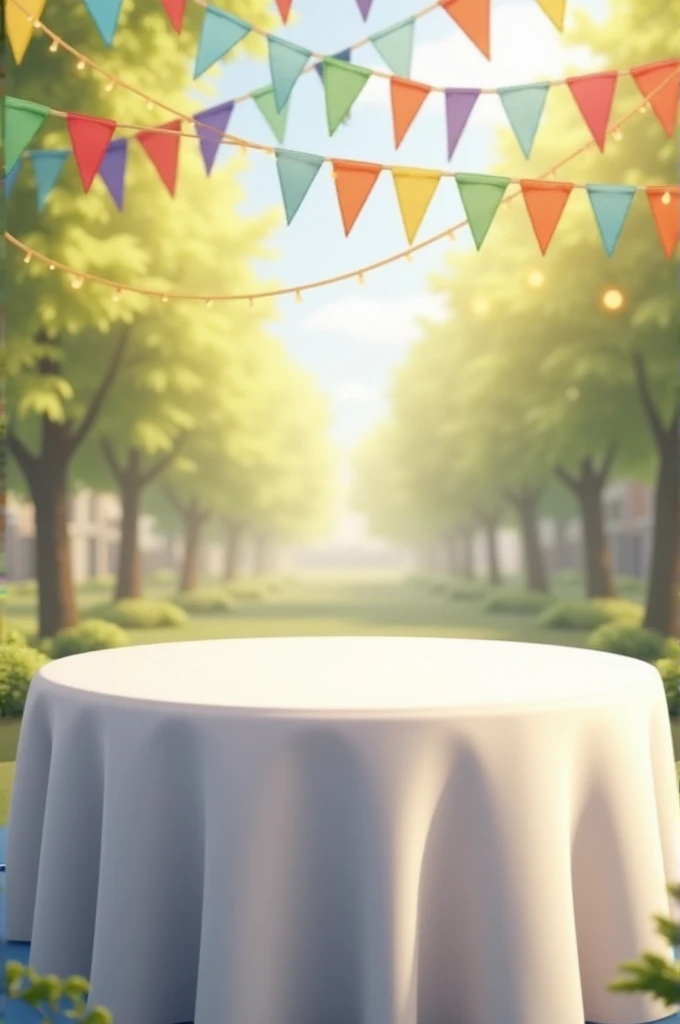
x=567, y=479
x=110, y=457
x=101, y=394
x=645, y=392
x=164, y=461
x=25, y=459
x=607, y=463
x=174, y=501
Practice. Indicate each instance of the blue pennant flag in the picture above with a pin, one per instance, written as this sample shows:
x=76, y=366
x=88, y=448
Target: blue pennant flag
x=296, y=172
x=10, y=179
x=395, y=46
x=610, y=204
x=47, y=166
x=524, y=106
x=105, y=14
x=343, y=55
x=220, y=33
x=286, y=63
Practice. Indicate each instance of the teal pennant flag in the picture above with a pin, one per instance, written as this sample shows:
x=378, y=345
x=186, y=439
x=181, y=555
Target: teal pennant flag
x=47, y=166
x=296, y=171
x=524, y=106
x=220, y=33
x=10, y=179
x=395, y=46
x=286, y=63
x=105, y=15
x=610, y=204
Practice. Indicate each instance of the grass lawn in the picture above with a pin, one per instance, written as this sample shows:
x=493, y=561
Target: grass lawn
x=320, y=606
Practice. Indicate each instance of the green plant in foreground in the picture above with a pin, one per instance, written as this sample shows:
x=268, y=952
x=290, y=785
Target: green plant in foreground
x=48, y=995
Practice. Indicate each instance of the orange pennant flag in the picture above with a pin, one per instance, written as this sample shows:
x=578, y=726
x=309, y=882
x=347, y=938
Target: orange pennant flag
x=474, y=18
x=407, y=99
x=665, y=205
x=660, y=86
x=545, y=202
x=353, y=184
x=415, y=190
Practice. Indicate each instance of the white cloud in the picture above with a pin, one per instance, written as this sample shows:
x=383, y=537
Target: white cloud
x=375, y=320
x=355, y=393
x=527, y=48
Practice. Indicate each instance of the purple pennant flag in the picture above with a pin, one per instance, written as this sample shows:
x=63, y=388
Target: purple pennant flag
x=459, y=104
x=343, y=55
x=365, y=7
x=217, y=119
x=112, y=170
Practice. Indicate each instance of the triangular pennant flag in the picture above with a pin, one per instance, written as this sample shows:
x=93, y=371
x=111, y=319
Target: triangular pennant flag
x=286, y=62
x=594, y=95
x=545, y=202
x=90, y=137
x=610, y=204
x=555, y=9
x=364, y=8
x=47, y=166
x=22, y=122
x=353, y=184
x=395, y=46
x=296, y=173
x=210, y=125
x=664, y=203
x=524, y=105
x=284, y=7
x=19, y=28
x=342, y=55
x=342, y=84
x=10, y=179
x=459, y=104
x=175, y=11
x=163, y=150
x=112, y=170
x=474, y=18
x=415, y=190
x=660, y=86
x=407, y=98
x=105, y=14
x=276, y=119
x=481, y=195
x=220, y=33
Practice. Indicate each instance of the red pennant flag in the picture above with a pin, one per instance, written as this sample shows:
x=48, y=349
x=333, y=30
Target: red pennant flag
x=175, y=11
x=660, y=86
x=594, y=95
x=284, y=7
x=90, y=137
x=407, y=99
x=474, y=18
x=163, y=151
x=545, y=202
x=353, y=184
x=665, y=205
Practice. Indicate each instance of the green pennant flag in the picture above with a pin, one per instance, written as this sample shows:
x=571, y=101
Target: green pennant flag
x=296, y=172
x=286, y=63
x=23, y=120
x=276, y=119
x=342, y=83
x=395, y=46
x=481, y=195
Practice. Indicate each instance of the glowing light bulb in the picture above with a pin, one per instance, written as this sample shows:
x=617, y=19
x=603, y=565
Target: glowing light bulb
x=536, y=279
x=116, y=295
x=80, y=66
x=209, y=304
x=298, y=296
x=617, y=135
x=613, y=299
x=451, y=236
x=51, y=266
x=164, y=298
x=27, y=258
x=149, y=105
x=360, y=278
x=54, y=46
x=666, y=198
x=76, y=283
x=108, y=87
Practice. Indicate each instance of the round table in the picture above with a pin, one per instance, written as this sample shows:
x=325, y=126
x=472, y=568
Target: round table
x=345, y=831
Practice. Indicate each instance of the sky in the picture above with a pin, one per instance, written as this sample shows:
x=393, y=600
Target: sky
x=350, y=336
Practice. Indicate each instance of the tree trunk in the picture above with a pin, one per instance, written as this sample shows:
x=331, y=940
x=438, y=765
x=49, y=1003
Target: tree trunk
x=493, y=561
x=662, y=593
x=588, y=487
x=193, y=520
x=49, y=490
x=129, y=583
x=233, y=541
x=526, y=503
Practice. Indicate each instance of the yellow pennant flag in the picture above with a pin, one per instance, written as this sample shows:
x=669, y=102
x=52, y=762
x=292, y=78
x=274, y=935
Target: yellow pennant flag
x=555, y=9
x=415, y=189
x=19, y=23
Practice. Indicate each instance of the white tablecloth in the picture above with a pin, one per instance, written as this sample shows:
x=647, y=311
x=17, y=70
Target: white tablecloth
x=345, y=831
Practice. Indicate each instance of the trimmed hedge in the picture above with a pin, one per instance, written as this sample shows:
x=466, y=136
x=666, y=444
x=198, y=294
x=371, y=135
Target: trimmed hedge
x=143, y=613
x=669, y=670
x=202, y=602
x=588, y=615
x=89, y=635
x=18, y=665
x=630, y=641
x=517, y=602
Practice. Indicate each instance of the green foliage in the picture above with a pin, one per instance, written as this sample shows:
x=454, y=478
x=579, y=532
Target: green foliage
x=13, y=636
x=89, y=635
x=630, y=641
x=140, y=613
x=164, y=577
x=516, y=602
x=18, y=665
x=466, y=590
x=202, y=602
x=248, y=590
x=588, y=615
x=50, y=995
x=669, y=670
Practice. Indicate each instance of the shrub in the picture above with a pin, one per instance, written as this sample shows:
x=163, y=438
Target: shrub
x=669, y=670
x=591, y=614
x=24, y=588
x=517, y=602
x=105, y=582
x=629, y=640
x=13, y=636
x=18, y=665
x=247, y=590
x=164, y=576
x=89, y=635
x=465, y=590
x=140, y=613
x=200, y=602
x=629, y=584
